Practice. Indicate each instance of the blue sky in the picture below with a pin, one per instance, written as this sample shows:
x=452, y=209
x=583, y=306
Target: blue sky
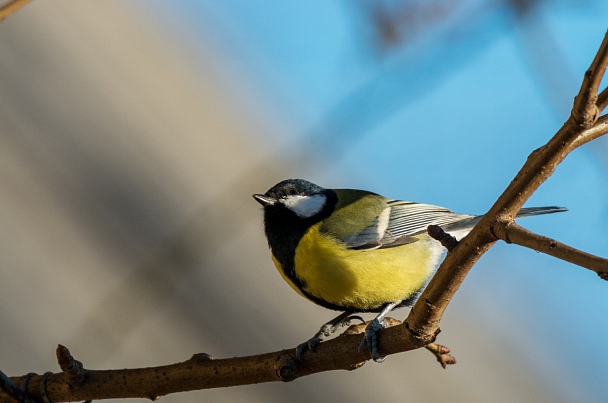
x=447, y=118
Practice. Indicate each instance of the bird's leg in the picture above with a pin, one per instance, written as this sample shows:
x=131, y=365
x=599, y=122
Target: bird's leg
x=371, y=340
x=326, y=330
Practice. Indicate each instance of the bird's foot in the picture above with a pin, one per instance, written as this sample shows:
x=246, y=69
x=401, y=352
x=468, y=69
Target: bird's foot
x=325, y=331
x=370, y=341
x=311, y=344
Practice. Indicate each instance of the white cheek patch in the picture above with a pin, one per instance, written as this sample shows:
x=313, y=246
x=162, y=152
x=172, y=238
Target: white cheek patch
x=305, y=206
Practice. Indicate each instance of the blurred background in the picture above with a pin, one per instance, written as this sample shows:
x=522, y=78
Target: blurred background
x=133, y=134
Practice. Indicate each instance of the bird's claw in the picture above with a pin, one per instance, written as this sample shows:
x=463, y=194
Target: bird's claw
x=326, y=330
x=370, y=341
x=307, y=345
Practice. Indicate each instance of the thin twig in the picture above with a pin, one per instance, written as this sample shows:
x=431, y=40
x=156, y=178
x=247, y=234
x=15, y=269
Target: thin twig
x=602, y=100
x=585, y=110
x=514, y=233
x=597, y=130
x=11, y=7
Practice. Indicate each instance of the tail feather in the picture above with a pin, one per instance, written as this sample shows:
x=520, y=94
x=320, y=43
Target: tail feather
x=460, y=228
x=531, y=211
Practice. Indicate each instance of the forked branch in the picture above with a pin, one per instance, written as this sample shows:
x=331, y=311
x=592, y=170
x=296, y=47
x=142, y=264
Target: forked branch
x=583, y=125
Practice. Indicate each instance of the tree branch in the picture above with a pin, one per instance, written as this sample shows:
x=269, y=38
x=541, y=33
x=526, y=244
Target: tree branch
x=426, y=314
x=585, y=110
x=511, y=232
x=13, y=391
x=602, y=100
x=204, y=372
x=11, y=7
x=599, y=129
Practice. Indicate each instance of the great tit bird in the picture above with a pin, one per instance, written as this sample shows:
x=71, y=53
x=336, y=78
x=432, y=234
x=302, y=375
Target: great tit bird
x=356, y=251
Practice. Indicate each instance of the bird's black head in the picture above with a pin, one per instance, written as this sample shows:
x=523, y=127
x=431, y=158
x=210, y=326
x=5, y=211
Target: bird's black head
x=297, y=197
x=294, y=187
x=291, y=207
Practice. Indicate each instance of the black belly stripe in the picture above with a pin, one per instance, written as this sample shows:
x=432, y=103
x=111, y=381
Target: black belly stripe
x=284, y=231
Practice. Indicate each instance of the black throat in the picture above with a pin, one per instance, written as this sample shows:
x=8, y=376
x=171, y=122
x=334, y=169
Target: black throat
x=284, y=230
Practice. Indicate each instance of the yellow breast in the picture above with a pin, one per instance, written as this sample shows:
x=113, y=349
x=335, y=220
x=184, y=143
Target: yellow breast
x=361, y=279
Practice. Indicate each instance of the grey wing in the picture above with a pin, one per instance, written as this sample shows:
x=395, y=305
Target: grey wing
x=408, y=218
x=400, y=222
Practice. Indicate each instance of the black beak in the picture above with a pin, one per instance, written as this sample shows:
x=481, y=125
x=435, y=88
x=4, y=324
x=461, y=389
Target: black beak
x=264, y=200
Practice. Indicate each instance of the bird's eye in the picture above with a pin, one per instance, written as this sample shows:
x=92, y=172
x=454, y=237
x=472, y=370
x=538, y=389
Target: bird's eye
x=292, y=192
